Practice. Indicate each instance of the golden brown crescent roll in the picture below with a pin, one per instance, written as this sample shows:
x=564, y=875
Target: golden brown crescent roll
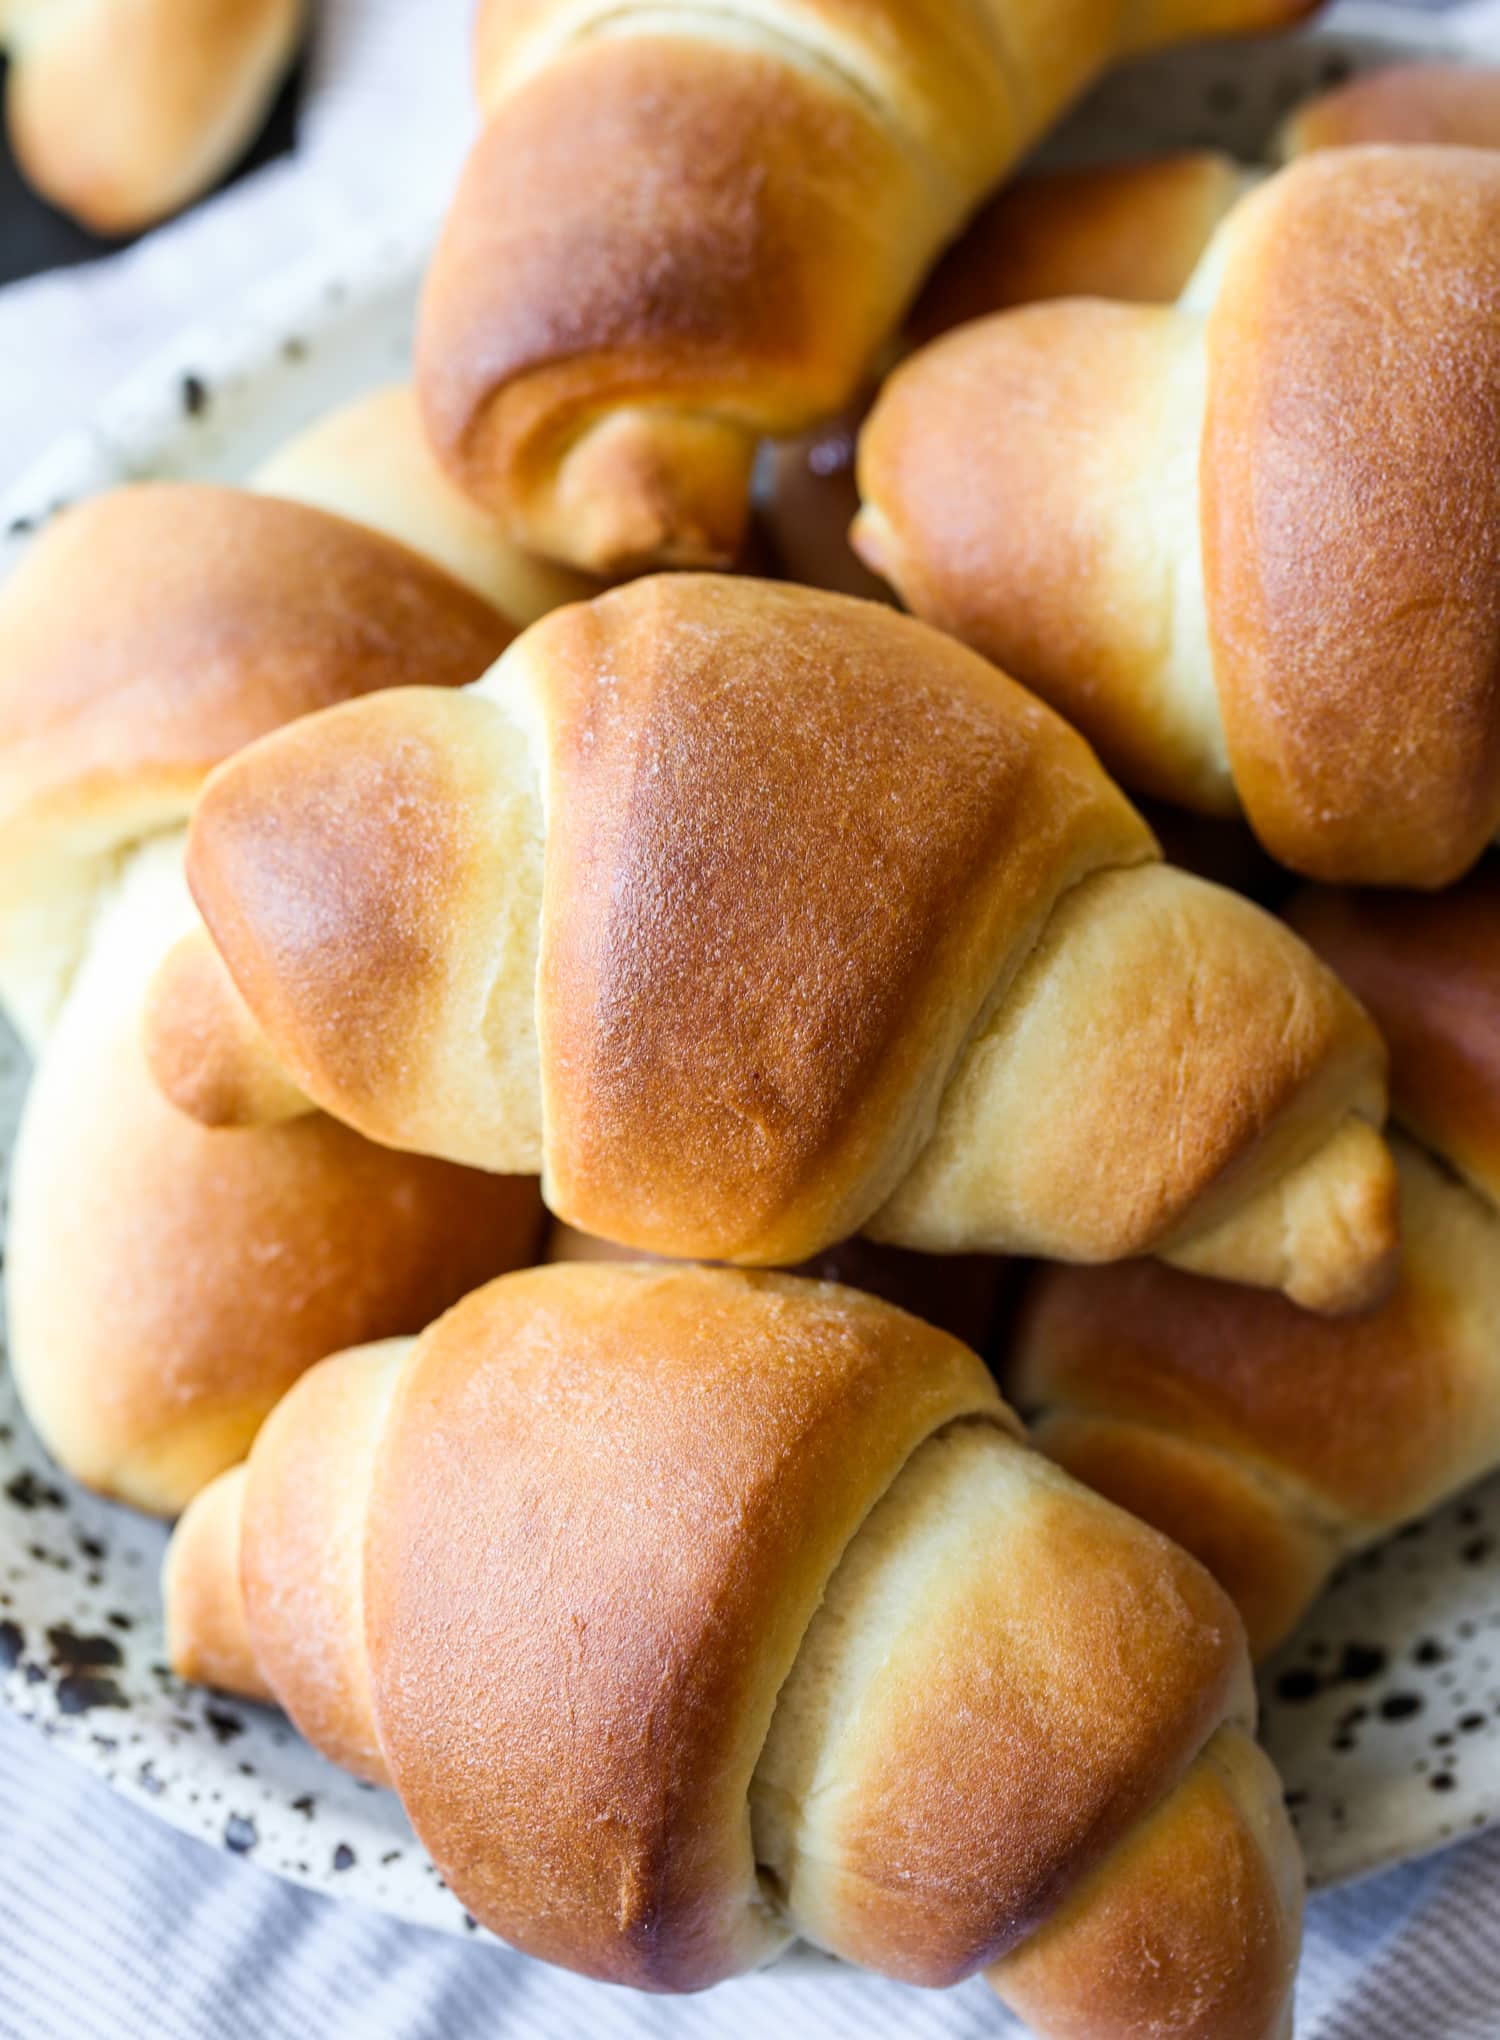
x=1258, y=562
x=759, y=917
x=1271, y=1443
x=165, y=1282
x=681, y=231
x=120, y=111
x=688, y=1611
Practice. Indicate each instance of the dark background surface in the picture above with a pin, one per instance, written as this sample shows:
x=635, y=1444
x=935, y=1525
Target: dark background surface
x=33, y=236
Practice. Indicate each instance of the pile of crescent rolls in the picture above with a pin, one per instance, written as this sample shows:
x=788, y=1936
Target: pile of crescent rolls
x=547, y=1069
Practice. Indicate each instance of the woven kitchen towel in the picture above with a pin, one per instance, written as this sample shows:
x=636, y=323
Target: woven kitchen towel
x=109, y=1921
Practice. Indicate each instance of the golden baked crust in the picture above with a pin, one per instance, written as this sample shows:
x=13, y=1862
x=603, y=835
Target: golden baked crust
x=1272, y=1442
x=213, y=616
x=585, y=1417
x=370, y=461
x=926, y=1850
x=166, y=1283
x=1130, y=232
x=209, y=1641
x=1269, y=1442
x=701, y=1609
x=1269, y=1549
x=120, y=111
x=680, y=230
x=307, y=1495
x=1351, y=512
x=1000, y=476
x=1429, y=972
x=754, y=898
x=403, y=835
x=1256, y=562
x=959, y=1293
x=1453, y=105
x=1258, y=1379
x=703, y=254
x=1210, y=1871
x=900, y=839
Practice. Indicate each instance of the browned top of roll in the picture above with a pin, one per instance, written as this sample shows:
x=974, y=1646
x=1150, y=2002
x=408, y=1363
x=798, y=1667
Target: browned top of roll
x=923, y=68
x=668, y=1462
x=1190, y=1929
x=1357, y=1411
x=1131, y=232
x=1043, y=1684
x=766, y=935
x=152, y=631
x=660, y=220
x=1429, y=972
x=1452, y=104
x=1351, y=512
x=348, y=973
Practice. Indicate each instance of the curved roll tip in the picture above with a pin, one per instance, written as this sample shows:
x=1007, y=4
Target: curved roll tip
x=204, y=1049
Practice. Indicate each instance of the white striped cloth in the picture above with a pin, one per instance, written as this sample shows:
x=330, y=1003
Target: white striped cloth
x=110, y=1921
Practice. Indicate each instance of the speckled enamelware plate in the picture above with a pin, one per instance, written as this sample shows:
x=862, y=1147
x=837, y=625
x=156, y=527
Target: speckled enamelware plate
x=1384, y=1714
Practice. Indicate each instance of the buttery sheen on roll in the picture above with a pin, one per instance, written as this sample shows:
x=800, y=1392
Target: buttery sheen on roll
x=689, y=1610
x=760, y=917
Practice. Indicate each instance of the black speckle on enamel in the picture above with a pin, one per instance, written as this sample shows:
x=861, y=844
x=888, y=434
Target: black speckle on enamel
x=1361, y=1661
x=1401, y=1706
x=1296, y=1686
x=226, y=1726
x=81, y=1692
x=25, y=1490
x=75, y=1652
